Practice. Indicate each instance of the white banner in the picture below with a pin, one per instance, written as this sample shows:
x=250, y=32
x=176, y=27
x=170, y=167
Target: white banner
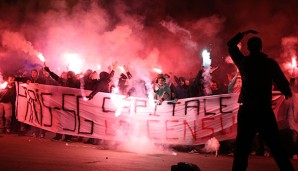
x=191, y=121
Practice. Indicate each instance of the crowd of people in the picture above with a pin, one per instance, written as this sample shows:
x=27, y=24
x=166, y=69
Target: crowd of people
x=165, y=87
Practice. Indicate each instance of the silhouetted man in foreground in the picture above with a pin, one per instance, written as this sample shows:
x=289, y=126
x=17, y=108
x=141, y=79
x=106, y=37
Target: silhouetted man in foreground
x=255, y=114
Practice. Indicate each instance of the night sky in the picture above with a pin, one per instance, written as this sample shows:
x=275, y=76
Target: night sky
x=166, y=34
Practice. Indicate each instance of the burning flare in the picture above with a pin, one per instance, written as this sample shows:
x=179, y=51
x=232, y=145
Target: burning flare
x=3, y=85
x=41, y=57
x=206, y=58
x=294, y=62
x=74, y=62
x=206, y=73
x=294, y=65
x=157, y=70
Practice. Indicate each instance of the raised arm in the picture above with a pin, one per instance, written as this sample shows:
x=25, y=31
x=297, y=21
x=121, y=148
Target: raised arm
x=52, y=74
x=232, y=83
x=129, y=76
x=234, y=50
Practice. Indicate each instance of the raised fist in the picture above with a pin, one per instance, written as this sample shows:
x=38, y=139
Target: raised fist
x=47, y=69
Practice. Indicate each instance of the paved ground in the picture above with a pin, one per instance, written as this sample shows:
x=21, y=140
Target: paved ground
x=30, y=154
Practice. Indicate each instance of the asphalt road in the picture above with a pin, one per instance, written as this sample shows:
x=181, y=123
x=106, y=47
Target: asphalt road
x=26, y=153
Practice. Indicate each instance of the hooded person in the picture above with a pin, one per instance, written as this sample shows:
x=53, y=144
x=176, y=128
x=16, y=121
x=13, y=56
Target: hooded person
x=72, y=82
x=102, y=85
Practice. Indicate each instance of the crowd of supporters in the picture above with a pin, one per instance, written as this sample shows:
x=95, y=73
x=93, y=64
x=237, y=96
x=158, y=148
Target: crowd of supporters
x=165, y=87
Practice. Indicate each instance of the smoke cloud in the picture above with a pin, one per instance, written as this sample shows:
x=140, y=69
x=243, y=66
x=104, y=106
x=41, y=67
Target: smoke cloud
x=130, y=31
x=165, y=34
x=101, y=33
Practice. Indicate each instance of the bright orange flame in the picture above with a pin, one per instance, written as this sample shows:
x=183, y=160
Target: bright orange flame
x=157, y=70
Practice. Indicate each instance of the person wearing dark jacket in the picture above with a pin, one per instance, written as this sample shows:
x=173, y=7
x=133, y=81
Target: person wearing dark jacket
x=181, y=91
x=196, y=87
x=34, y=78
x=102, y=85
x=122, y=82
x=255, y=114
x=47, y=79
x=71, y=82
x=7, y=100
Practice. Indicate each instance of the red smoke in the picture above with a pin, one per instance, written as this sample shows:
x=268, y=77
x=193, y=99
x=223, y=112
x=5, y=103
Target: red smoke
x=165, y=34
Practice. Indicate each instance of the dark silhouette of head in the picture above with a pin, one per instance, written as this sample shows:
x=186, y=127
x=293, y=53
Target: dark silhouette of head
x=104, y=75
x=254, y=44
x=122, y=80
x=70, y=75
x=88, y=72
